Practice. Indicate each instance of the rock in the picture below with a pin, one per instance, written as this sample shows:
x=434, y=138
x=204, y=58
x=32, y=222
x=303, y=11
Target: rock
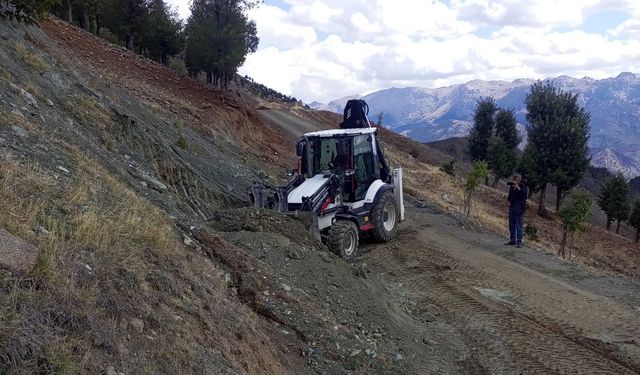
x=355, y=353
x=177, y=318
x=292, y=253
x=367, y=352
x=124, y=324
x=137, y=324
x=153, y=182
x=359, y=325
x=111, y=371
x=427, y=341
x=122, y=350
x=360, y=271
x=16, y=255
x=315, y=352
x=41, y=230
x=144, y=184
x=447, y=198
x=286, y=287
x=325, y=257
x=63, y=169
x=428, y=317
x=188, y=241
x=20, y=132
x=26, y=95
x=49, y=103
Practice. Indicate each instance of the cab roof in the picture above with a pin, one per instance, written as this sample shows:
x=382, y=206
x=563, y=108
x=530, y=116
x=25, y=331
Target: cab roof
x=337, y=132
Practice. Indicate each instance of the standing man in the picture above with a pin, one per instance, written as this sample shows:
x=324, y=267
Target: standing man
x=517, y=200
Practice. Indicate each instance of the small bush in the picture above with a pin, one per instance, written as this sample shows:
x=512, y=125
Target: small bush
x=178, y=65
x=479, y=171
x=107, y=35
x=182, y=142
x=449, y=167
x=32, y=60
x=531, y=232
x=28, y=11
x=574, y=215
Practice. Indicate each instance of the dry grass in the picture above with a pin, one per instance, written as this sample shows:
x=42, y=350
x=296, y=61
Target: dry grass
x=95, y=223
x=595, y=248
x=88, y=111
x=5, y=77
x=32, y=60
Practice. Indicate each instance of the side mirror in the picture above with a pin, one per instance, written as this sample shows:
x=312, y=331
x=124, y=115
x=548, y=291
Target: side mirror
x=300, y=147
x=291, y=172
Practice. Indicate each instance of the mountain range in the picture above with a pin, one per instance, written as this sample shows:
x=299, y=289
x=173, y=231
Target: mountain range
x=426, y=114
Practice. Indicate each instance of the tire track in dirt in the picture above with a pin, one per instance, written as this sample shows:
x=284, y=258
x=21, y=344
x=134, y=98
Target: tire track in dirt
x=512, y=333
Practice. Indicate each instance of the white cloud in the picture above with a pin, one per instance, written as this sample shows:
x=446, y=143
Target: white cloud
x=325, y=49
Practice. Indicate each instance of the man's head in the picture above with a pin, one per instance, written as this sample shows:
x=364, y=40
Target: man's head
x=517, y=178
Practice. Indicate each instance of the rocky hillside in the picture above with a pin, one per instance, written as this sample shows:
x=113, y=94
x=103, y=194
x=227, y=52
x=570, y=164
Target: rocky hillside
x=126, y=246
x=434, y=114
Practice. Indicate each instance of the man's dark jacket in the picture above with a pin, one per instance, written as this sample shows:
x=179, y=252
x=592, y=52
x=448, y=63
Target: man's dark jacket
x=518, y=199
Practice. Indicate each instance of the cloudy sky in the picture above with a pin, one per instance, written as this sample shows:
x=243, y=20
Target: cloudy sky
x=320, y=50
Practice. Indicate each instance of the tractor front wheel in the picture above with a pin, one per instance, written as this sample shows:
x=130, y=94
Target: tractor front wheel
x=343, y=239
x=384, y=217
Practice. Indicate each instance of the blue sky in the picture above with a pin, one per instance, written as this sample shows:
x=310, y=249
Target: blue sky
x=325, y=49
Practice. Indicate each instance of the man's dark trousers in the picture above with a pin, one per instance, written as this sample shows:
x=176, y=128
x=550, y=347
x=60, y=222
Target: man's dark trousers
x=516, y=225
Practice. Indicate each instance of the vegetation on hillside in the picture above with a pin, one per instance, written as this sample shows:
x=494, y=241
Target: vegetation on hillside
x=494, y=138
x=634, y=219
x=557, y=152
x=574, y=218
x=215, y=40
x=614, y=200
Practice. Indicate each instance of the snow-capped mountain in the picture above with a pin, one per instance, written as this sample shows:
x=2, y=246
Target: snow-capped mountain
x=614, y=161
x=426, y=114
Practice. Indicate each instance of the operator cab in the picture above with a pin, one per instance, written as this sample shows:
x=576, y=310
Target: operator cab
x=352, y=154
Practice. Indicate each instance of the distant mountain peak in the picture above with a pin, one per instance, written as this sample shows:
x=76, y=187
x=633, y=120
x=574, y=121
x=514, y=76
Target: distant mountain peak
x=430, y=114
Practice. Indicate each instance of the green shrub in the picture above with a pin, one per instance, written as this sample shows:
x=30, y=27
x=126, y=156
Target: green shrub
x=182, y=142
x=574, y=217
x=479, y=172
x=449, y=167
x=107, y=35
x=178, y=65
x=531, y=232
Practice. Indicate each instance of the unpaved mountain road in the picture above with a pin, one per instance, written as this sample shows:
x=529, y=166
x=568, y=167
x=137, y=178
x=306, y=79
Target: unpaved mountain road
x=517, y=320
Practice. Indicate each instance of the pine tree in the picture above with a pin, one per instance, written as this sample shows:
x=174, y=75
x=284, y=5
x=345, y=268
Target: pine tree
x=483, y=124
x=559, y=130
x=614, y=201
x=634, y=219
x=502, y=152
x=162, y=36
x=220, y=36
x=573, y=157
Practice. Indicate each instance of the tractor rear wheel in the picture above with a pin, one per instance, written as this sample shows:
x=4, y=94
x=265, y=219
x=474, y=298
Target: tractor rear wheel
x=384, y=217
x=343, y=239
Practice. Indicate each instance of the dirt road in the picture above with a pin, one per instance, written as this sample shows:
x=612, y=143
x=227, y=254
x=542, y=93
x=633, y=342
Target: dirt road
x=515, y=318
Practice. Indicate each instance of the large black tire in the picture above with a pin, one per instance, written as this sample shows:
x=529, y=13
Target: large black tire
x=384, y=217
x=343, y=239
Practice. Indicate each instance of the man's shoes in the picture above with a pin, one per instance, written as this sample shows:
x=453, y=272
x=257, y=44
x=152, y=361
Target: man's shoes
x=519, y=245
x=510, y=243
